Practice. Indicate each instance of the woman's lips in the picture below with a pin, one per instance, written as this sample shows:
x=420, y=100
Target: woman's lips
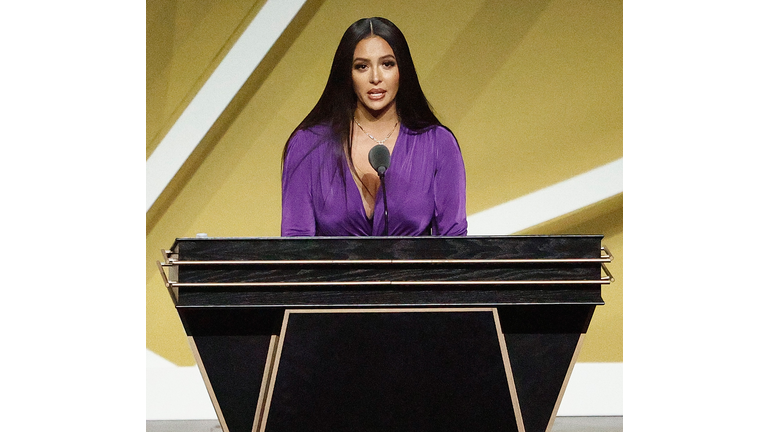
x=376, y=94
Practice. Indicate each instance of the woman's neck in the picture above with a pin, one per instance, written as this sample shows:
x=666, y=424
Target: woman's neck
x=387, y=116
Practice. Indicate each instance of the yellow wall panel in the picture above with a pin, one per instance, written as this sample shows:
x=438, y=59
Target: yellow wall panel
x=552, y=110
x=186, y=40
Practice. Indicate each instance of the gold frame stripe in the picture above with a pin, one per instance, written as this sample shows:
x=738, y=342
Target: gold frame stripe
x=565, y=382
x=207, y=382
x=602, y=281
x=384, y=262
x=263, y=412
x=510, y=375
x=265, y=381
x=273, y=375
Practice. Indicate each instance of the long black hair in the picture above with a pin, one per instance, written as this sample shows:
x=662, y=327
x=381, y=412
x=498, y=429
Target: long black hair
x=337, y=104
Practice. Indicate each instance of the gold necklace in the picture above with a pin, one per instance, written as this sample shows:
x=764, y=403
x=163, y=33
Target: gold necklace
x=371, y=136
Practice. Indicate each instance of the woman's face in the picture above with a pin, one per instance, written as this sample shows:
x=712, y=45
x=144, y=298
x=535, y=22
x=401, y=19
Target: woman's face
x=375, y=75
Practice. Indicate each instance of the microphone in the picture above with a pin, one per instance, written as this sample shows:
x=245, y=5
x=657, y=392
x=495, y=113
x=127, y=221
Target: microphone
x=379, y=159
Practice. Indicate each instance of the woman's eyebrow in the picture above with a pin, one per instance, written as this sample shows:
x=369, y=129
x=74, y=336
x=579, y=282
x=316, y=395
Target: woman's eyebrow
x=384, y=57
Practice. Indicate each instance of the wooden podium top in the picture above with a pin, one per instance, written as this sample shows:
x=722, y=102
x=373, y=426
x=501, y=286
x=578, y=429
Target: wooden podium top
x=386, y=271
x=389, y=248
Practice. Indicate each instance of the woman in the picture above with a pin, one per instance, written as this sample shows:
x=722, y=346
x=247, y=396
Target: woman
x=372, y=97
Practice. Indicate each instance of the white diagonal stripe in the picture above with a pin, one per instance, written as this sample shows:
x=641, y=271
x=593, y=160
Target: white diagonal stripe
x=216, y=93
x=548, y=203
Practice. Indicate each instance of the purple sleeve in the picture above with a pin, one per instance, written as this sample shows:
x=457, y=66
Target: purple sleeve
x=298, y=217
x=450, y=187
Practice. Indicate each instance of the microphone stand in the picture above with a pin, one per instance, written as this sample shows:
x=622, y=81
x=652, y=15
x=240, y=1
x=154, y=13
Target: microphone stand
x=386, y=210
x=379, y=158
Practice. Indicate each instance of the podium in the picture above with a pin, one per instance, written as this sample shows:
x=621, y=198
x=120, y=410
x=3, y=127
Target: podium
x=386, y=333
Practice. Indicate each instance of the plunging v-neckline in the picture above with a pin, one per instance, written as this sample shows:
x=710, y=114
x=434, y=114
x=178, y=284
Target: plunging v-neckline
x=361, y=187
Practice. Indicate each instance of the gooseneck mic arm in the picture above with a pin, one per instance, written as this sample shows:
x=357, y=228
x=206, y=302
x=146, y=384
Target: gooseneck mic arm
x=379, y=158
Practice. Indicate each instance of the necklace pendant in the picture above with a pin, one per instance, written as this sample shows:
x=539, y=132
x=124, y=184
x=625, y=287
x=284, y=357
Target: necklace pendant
x=380, y=142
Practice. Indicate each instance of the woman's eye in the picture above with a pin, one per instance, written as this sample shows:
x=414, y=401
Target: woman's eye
x=360, y=66
x=389, y=64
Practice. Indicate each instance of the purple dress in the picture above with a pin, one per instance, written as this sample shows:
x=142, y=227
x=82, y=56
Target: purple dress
x=426, y=188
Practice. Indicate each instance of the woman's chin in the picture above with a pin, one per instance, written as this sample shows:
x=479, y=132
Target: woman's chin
x=378, y=108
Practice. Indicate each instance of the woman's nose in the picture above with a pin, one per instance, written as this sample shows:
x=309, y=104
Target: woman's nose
x=375, y=76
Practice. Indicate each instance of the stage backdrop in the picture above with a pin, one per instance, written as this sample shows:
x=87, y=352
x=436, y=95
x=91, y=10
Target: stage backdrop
x=531, y=89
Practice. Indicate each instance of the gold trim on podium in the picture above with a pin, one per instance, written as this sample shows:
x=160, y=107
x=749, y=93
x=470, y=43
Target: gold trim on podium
x=263, y=411
x=265, y=381
x=207, y=382
x=508, y=368
x=565, y=382
x=170, y=260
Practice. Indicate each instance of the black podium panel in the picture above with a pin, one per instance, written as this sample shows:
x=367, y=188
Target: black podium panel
x=541, y=363
x=542, y=341
x=391, y=371
x=233, y=350
x=234, y=366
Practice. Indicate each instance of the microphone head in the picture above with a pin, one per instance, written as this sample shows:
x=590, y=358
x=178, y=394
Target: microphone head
x=379, y=158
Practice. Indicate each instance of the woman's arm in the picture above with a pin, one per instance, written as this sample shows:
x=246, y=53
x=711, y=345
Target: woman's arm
x=450, y=187
x=298, y=217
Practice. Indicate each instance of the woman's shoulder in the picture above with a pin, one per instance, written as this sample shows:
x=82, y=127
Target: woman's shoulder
x=439, y=135
x=312, y=133
x=310, y=138
x=437, y=130
x=443, y=133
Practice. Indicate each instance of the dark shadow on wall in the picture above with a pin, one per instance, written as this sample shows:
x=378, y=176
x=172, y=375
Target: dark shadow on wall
x=484, y=46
